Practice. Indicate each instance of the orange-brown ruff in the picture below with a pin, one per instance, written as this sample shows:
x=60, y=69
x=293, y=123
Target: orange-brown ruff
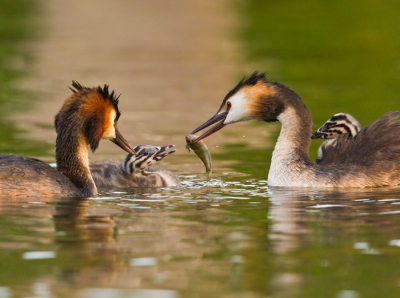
x=371, y=158
x=87, y=116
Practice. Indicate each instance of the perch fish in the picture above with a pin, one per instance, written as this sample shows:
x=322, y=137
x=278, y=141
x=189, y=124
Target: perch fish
x=201, y=150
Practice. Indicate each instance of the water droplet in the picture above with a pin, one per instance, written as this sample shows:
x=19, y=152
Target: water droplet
x=143, y=262
x=361, y=245
x=238, y=259
x=36, y=255
x=394, y=242
x=347, y=294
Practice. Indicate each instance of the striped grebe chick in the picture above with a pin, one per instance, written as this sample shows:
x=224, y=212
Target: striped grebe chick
x=371, y=158
x=337, y=125
x=86, y=117
x=136, y=170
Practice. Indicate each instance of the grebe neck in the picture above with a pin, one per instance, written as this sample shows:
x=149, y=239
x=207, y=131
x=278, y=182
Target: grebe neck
x=290, y=157
x=73, y=161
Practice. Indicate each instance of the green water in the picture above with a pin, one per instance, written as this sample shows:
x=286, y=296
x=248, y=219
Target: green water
x=235, y=237
x=17, y=26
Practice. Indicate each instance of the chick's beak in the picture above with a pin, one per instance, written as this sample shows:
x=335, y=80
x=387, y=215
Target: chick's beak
x=218, y=117
x=120, y=141
x=318, y=135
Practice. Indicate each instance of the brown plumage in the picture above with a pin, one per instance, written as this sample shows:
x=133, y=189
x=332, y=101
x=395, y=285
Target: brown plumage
x=136, y=170
x=372, y=146
x=371, y=158
x=88, y=115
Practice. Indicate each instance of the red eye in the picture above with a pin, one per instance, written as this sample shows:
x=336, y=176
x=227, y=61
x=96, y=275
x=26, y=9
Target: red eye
x=228, y=105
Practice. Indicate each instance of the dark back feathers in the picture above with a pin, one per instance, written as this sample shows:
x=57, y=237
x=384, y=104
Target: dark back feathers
x=376, y=145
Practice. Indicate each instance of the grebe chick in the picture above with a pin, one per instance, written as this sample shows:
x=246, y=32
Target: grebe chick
x=136, y=170
x=371, y=158
x=337, y=125
x=86, y=117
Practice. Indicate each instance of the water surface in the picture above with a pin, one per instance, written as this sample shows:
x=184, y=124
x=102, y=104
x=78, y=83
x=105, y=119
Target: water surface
x=235, y=237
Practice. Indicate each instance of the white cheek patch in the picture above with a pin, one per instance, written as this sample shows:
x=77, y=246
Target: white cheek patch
x=109, y=133
x=239, y=110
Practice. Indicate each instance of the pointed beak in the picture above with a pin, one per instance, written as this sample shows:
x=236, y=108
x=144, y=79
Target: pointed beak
x=120, y=141
x=317, y=135
x=220, y=118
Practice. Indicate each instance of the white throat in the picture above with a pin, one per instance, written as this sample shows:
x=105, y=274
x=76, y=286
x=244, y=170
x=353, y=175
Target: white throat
x=287, y=165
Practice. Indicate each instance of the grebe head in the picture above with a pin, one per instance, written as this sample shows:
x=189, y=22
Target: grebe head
x=338, y=124
x=253, y=98
x=92, y=113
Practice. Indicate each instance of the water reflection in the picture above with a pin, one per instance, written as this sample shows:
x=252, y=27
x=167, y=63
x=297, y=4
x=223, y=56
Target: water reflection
x=234, y=237
x=327, y=242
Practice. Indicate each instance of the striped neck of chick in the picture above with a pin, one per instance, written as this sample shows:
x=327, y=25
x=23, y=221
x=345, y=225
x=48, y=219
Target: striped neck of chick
x=136, y=170
x=337, y=125
x=145, y=157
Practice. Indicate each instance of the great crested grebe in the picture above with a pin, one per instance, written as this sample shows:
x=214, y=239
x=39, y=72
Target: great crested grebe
x=86, y=117
x=337, y=125
x=136, y=170
x=372, y=158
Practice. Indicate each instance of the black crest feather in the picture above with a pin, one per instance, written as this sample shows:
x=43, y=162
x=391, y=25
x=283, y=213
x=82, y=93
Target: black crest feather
x=112, y=96
x=104, y=91
x=78, y=87
x=106, y=94
x=249, y=81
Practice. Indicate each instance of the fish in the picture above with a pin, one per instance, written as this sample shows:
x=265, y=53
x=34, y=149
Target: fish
x=202, y=152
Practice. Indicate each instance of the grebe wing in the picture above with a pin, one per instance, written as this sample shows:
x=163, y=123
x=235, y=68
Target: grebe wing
x=377, y=144
x=25, y=176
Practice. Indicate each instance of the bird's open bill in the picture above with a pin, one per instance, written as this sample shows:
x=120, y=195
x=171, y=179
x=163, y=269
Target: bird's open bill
x=218, y=117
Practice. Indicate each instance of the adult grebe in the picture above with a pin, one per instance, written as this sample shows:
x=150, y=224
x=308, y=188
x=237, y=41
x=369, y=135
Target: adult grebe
x=88, y=115
x=371, y=158
x=337, y=125
x=136, y=170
